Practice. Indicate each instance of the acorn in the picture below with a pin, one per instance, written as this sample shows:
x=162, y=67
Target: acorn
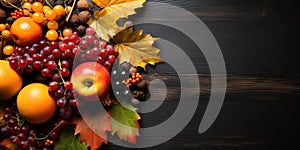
x=6, y=4
x=84, y=16
x=83, y=5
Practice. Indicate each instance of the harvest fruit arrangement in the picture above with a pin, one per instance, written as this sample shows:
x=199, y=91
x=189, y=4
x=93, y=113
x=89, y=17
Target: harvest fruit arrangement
x=59, y=57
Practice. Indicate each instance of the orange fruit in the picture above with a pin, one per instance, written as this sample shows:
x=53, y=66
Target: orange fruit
x=10, y=81
x=8, y=50
x=2, y=27
x=35, y=104
x=25, y=31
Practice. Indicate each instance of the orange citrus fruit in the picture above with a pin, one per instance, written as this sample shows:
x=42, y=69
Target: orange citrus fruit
x=25, y=31
x=35, y=104
x=10, y=81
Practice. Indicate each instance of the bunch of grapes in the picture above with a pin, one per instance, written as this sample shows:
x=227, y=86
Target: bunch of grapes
x=93, y=50
x=23, y=134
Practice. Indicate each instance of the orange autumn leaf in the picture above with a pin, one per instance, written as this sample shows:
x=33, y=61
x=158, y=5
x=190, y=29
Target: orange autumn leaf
x=9, y=145
x=99, y=123
x=136, y=48
x=105, y=21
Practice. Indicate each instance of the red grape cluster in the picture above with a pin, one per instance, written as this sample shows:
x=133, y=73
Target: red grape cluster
x=93, y=50
x=23, y=134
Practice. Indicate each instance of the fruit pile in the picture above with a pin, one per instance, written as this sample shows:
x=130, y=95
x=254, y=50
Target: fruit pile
x=58, y=57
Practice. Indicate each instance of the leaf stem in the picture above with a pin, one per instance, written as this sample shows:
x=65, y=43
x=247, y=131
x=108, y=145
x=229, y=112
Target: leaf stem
x=48, y=4
x=69, y=15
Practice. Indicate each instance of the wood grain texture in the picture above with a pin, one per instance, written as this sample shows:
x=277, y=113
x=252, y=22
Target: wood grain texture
x=259, y=41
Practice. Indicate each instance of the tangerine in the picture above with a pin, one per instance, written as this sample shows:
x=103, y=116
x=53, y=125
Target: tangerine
x=35, y=104
x=25, y=31
x=10, y=81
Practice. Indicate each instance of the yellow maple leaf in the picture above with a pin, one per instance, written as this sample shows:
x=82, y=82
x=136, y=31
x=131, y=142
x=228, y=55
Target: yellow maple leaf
x=105, y=22
x=136, y=48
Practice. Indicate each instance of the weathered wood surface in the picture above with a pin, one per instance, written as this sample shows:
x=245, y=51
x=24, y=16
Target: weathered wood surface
x=258, y=39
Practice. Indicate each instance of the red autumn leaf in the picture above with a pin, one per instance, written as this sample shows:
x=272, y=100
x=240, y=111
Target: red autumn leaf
x=9, y=145
x=100, y=123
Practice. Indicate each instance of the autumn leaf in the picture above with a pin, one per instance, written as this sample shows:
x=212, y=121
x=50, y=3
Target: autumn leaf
x=136, y=48
x=100, y=123
x=105, y=21
x=69, y=141
x=124, y=122
x=9, y=145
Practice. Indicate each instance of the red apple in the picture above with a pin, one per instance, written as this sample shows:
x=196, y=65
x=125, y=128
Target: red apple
x=91, y=81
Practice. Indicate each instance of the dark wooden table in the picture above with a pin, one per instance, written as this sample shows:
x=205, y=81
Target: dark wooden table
x=259, y=41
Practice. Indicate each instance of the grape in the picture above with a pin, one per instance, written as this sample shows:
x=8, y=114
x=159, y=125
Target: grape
x=103, y=44
x=53, y=44
x=12, y=122
x=13, y=63
x=20, y=51
x=100, y=60
x=30, y=139
x=32, y=51
x=111, y=58
x=71, y=45
x=24, y=129
x=110, y=49
x=90, y=31
x=47, y=50
x=60, y=93
x=23, y=144
x=63, y=46
x=90, y=39
x=51, y=64
x=29, y=68
x=107, y=64
x=45, y=62
x=95, y=43
x=65, y=112
x=53, y=135
x=16, y=129
x=5, y=130
x=56, y=77
x=53, y=85
x=15, y=139
x=8, y=110
x=45, y=72
x=50, y=57
x=37, y=64
x=73, y=103
x=65, y=64
x=56, y=53
x=68, y=53
x=42, y=44
x=7, y=117
x=64, y=72
x=74, y=37
x=84, y=43
x=21, y=136
x=68, y=85
x=103, y=53
x=29, y=60
x=61, y=102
